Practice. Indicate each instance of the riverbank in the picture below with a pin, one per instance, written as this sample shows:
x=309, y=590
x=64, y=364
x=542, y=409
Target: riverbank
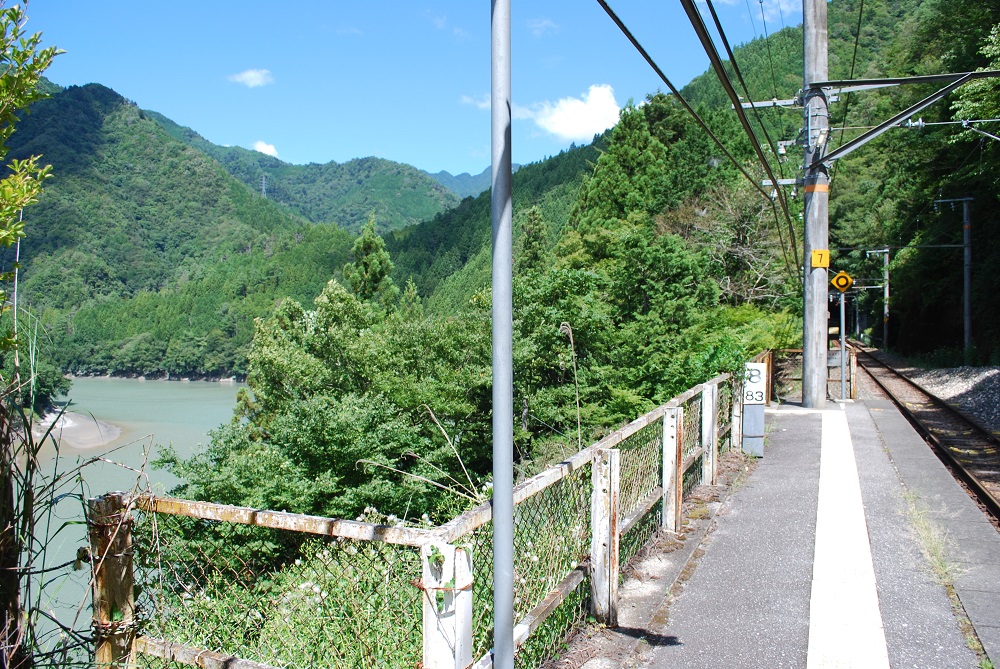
x=77, y=430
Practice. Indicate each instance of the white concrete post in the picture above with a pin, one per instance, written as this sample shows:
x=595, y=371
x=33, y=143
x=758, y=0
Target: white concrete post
x=447, y=627
x=710, y=433
x=604, y=552
x=673, y=421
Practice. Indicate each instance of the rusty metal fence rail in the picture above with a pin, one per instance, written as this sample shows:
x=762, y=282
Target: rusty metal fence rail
x=222, y=586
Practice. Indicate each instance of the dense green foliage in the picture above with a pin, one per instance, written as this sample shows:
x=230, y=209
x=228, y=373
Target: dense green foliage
x=645, y=262
x=150, y=259
x=363, y=400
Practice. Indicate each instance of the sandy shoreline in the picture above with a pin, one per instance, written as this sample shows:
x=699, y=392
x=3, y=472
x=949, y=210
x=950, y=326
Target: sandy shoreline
x=77, y=430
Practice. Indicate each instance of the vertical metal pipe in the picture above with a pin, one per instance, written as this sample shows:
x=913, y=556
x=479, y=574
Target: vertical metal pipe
x=967, y=280
x=817, y=191
x=503, y=367
x=885, y=301
x=843, y=347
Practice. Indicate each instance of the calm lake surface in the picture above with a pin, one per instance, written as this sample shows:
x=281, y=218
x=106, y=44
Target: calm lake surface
x=150, y=414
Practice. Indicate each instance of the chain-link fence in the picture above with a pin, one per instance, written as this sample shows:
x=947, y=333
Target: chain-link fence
x=296, y=591
x=277, y=597
x=641, y=483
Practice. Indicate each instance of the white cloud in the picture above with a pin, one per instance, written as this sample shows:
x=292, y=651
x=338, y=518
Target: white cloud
x=575, y=118
x=253, y=78
x=481, y=102
x=264, y=147
x=539, y=27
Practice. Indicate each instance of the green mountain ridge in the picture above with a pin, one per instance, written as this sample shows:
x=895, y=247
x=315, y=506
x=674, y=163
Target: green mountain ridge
x=147, y=256
x=340, y=193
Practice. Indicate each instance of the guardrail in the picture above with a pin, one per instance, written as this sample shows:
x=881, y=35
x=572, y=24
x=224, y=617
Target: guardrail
x=211, y=585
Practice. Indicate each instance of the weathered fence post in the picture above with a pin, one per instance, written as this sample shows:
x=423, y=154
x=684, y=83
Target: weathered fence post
x=673, y=477
x=604, y=552
x=110, y=527
x=710, y=433
x=447, y=626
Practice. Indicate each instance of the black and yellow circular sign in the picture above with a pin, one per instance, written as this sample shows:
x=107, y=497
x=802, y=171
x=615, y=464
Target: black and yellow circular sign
x=842, y=281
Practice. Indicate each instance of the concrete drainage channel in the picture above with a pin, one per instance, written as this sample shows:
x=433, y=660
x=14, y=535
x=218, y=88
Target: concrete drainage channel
x=653, y=579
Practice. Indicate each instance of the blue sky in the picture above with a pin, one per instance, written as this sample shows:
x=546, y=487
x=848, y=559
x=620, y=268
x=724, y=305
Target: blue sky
x=406, y=80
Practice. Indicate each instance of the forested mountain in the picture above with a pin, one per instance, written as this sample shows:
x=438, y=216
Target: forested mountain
x=340, y=193
x=464, y=185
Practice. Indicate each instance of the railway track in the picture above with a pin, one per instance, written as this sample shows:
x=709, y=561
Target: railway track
x=972, y=451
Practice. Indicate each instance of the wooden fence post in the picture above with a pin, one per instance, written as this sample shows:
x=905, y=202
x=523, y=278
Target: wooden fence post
x=710, y=433
x=604, y=553
x=673, y=478
x=447, y=619
x=110, y=527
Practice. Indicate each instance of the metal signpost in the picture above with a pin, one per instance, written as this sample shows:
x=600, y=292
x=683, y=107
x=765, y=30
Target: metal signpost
x=842, y=281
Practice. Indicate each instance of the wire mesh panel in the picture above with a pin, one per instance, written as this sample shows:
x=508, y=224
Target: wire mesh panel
x=550, y=639
x=725, y=414
x=692, y=426
x=276, y=597
x=692, y=441
x=641, y=467
x=641, y=475
x=551, y=539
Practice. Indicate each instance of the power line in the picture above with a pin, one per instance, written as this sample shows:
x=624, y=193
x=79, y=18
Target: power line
x=677, y=94
x=752, y=24
x=760, y=122
x=922, y=123
x=713, y=55
x=767, y=42
x=743, y=83
x=854, y=60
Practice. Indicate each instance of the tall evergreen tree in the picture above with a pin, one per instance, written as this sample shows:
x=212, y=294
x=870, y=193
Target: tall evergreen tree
x=369, y=274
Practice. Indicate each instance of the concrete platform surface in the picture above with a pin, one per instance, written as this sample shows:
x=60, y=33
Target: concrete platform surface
x=850, y=546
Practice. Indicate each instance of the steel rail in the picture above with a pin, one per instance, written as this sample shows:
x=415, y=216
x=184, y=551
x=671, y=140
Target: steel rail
x=987, y=498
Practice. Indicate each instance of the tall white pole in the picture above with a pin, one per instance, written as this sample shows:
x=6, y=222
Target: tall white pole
x=503, y=366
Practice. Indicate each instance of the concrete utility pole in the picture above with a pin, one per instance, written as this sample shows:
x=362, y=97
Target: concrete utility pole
x=503, y=328
x=817, y=193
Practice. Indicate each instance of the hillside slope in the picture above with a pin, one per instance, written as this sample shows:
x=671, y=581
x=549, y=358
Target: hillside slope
x=340, y=193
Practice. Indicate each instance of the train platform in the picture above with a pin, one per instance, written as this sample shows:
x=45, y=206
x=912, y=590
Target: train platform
x=850, y=545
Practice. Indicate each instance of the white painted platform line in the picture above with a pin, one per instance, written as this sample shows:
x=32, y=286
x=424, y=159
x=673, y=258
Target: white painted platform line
x=845, y=623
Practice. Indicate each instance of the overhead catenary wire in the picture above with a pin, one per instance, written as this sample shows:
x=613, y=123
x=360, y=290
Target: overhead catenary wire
x=767, y=43
x=713, y=55
x=677, y=94
x=743, y=83
x=760, y=121
x=687, y=106
x=752, y=24
x=854, y=60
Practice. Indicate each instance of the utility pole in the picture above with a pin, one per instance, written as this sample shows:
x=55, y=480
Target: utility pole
x=816, y=254
x=885, y=293
x=966, y=273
